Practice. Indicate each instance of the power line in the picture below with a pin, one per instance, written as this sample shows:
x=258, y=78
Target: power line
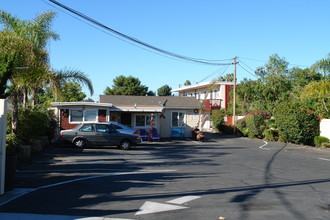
x=138, y=42
x=246, y=65
x=216, y=71
x=247, y=71
x=265, y=61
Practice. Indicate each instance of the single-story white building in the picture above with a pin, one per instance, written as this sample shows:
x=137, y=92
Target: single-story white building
x=172, y=116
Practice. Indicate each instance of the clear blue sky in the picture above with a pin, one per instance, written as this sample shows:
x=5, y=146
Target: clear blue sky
x=298, y=30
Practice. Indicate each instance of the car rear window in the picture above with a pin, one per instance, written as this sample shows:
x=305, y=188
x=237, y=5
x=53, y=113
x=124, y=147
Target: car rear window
x=116, y=126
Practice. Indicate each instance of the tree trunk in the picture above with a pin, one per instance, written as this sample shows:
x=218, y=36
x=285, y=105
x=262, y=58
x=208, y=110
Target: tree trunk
x=25, y=97
x=325, y=106
x=14, y=117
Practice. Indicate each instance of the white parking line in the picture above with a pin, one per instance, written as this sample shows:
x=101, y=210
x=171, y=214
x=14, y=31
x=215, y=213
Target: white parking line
x=84, y=178
x=323, y=159
x=24, y=216
x=262, y=147
x=195, y=142
x=184, y=199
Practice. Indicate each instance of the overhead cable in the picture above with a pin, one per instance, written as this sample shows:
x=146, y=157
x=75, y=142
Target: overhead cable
x=136, y=41
x=252, y=74
x=216, y=71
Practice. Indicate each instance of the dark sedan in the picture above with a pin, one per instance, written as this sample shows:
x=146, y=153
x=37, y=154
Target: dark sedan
x=98, y=134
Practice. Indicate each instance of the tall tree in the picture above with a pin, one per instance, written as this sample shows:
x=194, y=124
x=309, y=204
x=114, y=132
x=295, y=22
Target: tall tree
x=39, y=33
x=165, y=90
x=323, y=66
x=6, y=70
x=272, y=87
x=31, y=70
x=57, y=81
x=123, y=85
x=187, y=83
x=319, y=91
x=70, y=92
x=227, y=78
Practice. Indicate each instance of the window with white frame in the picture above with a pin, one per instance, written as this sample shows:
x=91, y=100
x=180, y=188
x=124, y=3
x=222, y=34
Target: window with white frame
x=142, y=120
x=178, y=119
x=83, y=115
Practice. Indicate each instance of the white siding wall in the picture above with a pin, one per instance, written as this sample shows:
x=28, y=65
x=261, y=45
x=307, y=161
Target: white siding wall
x=223, y=96
x=166, y=123
x=325, y=128
x=3, y=121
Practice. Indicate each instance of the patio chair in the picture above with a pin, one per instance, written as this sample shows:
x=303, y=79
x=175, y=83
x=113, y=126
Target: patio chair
x=144, y=135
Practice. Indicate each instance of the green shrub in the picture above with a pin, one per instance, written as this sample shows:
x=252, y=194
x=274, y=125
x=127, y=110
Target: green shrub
x=270, y=123
x=33, y=124
x=256, y=124
x=281, y=138
x=325, y=145
x=241, y=127
x=318, y=140
x=218, y=119
x=240, y=124
x=13, y=144
x=251, y=135
x=269, y=135
x=245, y=131
x=295, y=123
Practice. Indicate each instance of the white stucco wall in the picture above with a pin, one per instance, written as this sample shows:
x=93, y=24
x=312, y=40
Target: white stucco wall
x=3, y=116
x=191, y=120
x=325, y=128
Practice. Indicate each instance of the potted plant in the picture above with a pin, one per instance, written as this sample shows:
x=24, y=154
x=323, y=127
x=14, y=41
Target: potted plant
x=12, y=149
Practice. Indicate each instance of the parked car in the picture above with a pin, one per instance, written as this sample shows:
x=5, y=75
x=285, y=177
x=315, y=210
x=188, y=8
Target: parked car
x=124, y=129
x=98, y=133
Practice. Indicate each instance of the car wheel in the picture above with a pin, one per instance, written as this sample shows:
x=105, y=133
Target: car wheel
x=125, y=145
x=80, y=143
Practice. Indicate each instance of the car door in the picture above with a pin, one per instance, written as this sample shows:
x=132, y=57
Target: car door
x=106, y=135
x=87, y=131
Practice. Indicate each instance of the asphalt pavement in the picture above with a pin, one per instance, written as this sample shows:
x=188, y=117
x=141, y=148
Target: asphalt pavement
x=225, y=176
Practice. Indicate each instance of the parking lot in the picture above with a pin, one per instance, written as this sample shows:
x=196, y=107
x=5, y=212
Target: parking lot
x=224, y=176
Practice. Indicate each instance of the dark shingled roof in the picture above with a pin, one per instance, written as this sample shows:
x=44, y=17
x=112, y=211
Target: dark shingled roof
x=170, y=101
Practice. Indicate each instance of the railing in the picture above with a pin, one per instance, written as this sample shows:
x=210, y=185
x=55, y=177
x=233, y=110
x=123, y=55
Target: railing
x=211, y=104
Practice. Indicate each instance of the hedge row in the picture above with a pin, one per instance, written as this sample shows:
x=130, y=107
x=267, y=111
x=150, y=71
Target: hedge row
x=291, y=122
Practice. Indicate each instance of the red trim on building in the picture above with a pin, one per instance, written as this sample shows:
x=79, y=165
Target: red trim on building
x=65, y=123
x=228, y=89
x=64, y=120
x=102, y=116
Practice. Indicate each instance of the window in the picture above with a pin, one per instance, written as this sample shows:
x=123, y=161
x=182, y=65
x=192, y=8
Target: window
x=105, y=128
x=116, y=126
x=143, y=120
x=178, y=119
x=87, y=128
x=140, y=120
x=83, y=115
x=76, y=115
x=90, y=115
x=102, y=128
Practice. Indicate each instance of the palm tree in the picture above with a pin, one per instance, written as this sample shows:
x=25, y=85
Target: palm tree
x=57, y=79
x=323, y=66
x=38, y=32
x=35, y=74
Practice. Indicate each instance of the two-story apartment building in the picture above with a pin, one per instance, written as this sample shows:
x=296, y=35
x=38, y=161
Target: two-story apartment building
x=213, y=95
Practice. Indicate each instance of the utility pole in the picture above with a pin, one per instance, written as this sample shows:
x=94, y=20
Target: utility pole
x=234, y=96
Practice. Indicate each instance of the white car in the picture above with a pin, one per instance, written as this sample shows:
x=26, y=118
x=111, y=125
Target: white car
x=124, y=129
